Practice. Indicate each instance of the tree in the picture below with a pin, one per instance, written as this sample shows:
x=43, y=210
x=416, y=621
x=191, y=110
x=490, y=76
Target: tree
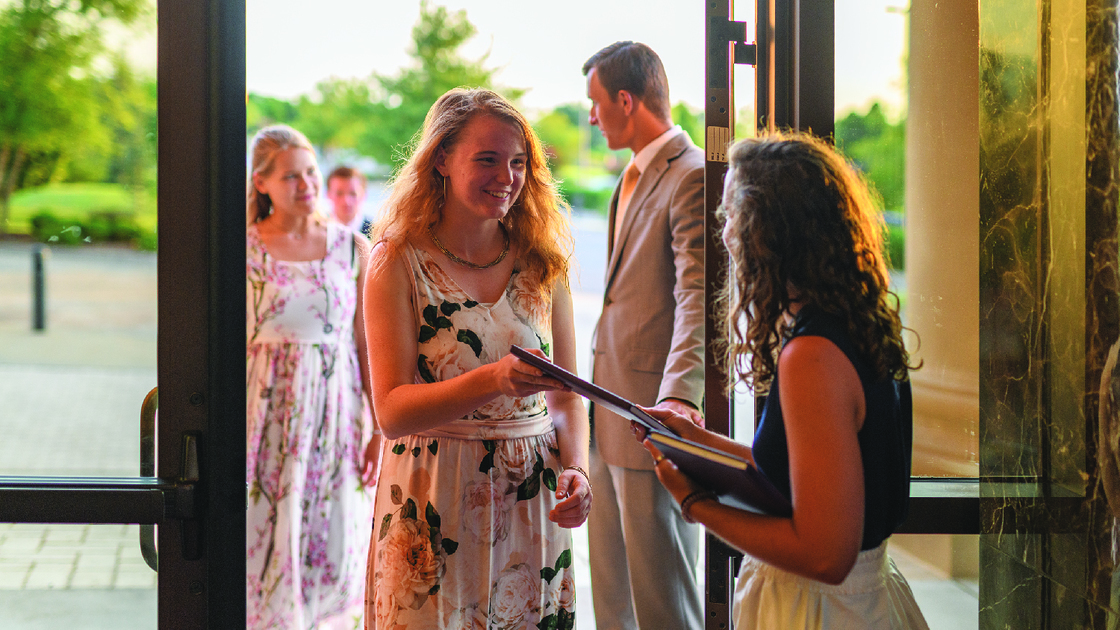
x=401, y=102
x=262, y=111
x=690, y=120
x=378, y=116
x=47, y=50
x=878, y=148
x=561, y=138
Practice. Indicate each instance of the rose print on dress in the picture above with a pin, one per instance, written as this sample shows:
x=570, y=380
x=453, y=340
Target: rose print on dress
x=560, y=599
x=412, y=556
x=515, y=599
x=486, y=512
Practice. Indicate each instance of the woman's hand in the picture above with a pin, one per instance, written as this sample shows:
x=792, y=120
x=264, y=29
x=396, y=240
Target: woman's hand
x=678, y=423
x=676, y=482
x=574, y=491
x=519, y=379
x=370, y=458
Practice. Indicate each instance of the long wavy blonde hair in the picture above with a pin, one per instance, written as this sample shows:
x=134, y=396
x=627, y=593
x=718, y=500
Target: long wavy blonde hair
x=799, y=216
x=267, y=144
x=537, y=222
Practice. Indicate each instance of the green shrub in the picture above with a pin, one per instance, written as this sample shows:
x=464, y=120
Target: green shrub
x=104, y=226
x=112, y=226
x=48, y=228
x=147, y=241
x=585, y=198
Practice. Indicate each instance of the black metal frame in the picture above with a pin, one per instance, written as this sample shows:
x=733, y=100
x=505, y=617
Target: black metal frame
x=202, y=178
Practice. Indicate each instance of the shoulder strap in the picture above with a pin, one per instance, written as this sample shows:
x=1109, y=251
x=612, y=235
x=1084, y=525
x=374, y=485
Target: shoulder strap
x=353, y=250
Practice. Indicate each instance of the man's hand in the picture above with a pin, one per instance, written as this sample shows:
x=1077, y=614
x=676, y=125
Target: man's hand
x=683, y=408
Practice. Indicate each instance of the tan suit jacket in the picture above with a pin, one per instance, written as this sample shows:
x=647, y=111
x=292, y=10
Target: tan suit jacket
x=649, y=342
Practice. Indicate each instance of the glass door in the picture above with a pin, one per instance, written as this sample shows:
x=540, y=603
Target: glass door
x=80, y=392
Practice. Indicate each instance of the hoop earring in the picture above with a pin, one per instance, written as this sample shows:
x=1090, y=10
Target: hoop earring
x=444, y=188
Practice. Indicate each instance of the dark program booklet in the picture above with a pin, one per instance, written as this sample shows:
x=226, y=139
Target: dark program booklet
x=737, y=481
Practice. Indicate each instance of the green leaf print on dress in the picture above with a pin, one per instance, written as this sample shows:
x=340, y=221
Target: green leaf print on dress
x=488, y=459
x=531, y=487
x=425, y=373
x=559, y=613
x=434, y=321
x=471, y=339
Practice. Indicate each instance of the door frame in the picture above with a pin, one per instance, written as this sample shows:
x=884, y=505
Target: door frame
x=197, y=496
x=202, y=175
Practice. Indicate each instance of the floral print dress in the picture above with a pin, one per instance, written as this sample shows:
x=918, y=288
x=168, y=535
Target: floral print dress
x=461, y=537
x=308, y=422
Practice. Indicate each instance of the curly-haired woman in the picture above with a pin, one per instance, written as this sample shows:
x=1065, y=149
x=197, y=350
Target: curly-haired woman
x=484, y=459
x=812, y=318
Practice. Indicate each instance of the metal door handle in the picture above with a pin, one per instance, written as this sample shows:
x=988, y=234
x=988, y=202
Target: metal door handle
x=148, y=469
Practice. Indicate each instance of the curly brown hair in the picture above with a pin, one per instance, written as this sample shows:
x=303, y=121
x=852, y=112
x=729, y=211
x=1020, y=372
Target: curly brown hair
x=537, y=222
x=800, y=219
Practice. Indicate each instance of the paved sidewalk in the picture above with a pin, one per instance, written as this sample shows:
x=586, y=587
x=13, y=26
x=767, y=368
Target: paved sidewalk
x=70, y=405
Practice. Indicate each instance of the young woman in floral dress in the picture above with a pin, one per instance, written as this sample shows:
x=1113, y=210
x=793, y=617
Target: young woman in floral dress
x=310, y=454
x=483, y=465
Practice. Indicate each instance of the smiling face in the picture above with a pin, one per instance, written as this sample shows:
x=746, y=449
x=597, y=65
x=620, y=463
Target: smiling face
x=485, y=168
x=293, y=182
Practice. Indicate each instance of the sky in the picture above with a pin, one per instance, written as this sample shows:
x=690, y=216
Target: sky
x=541, y=45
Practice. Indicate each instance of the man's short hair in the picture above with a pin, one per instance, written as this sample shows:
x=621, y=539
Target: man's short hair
x=346, y=172
x=634, y=67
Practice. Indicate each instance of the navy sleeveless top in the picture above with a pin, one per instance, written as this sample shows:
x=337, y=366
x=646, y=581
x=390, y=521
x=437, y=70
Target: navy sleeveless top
x=884, y=441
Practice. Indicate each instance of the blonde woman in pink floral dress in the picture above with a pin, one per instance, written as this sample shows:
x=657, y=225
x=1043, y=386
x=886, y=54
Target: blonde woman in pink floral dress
x=310, y=453
x=483, y=467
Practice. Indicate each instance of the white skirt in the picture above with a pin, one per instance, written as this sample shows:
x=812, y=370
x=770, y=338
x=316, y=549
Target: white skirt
x=875, y=595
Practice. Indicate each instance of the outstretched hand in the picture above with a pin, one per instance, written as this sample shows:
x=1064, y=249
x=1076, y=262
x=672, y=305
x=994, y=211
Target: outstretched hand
x=518, y=379
x=678, y=423
x=682, y=408
x=574, y=492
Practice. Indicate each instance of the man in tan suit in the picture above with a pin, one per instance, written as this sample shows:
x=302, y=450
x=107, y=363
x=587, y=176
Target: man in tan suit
x=648, y=345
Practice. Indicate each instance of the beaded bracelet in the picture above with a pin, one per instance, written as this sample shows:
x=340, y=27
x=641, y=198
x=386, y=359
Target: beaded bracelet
x=582, y=472
x=693, y=497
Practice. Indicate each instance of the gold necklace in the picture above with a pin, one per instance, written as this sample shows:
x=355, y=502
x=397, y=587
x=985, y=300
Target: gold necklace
x=467, y=263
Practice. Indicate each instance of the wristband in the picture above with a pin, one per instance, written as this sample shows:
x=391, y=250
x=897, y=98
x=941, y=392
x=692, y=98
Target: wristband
x=582, y=472
x=694, y=497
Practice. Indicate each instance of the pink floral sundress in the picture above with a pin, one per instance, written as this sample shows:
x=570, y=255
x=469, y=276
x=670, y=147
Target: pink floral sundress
x=461, y=537
x=307, y=422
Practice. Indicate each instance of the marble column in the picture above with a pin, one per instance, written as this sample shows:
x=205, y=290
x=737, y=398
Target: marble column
x=942, y=256
x=942, y=234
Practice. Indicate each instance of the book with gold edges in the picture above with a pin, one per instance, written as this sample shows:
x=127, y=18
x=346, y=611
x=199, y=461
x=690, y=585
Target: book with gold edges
x=738, y=482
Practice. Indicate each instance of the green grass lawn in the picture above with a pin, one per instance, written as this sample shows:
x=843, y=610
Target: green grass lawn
x=78, y=201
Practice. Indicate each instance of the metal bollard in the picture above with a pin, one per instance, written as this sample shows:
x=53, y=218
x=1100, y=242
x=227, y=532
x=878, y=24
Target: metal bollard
x=38, y=282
